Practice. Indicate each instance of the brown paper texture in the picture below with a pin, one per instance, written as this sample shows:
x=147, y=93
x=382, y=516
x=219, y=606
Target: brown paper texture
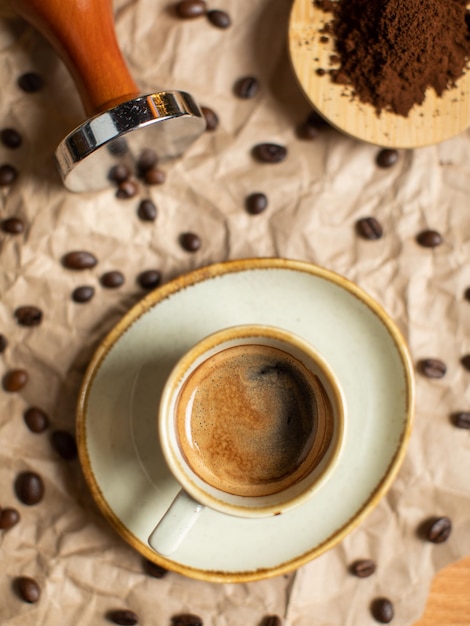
x=315, y=197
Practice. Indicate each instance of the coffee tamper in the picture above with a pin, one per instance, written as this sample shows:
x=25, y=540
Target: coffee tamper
x=122, y=122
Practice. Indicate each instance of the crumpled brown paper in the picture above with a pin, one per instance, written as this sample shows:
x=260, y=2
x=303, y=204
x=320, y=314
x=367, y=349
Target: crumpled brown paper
x=315, y=198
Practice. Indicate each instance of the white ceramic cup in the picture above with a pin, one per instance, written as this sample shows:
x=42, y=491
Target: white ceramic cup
x=265, y=493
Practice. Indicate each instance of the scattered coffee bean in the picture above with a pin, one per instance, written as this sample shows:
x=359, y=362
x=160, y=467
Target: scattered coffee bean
x=369, y=228
x=190, y=242
x=246, y=87
x=28, y=589
x=11, y=138
x=127, y=189
x=363, y=568
x=154, y=570
x=118, y=147
x=28, y=315
x=438, y=529
x=82, y=294
x=429, y=238
x=8, y=175
x=465, y=360
x=186, y=619
x=112, y=280
x=218, y=18
x=30, y=82
x=382, y=610
x=13, y=226
x=432, y=368
x=461, y=419
x=124, y=617
x=119, y=173
x=269, y=152
x=3, y=343
x=387, y=157
x=36, y=419
x=320, y=71
x=190, y=8
x=155, y=176
x=147, y=159
x=147, y=211
x=271, y=620
x=150, y=279
x=64, y=444
x=324, y=39
x=256, y=203
x=79, y=260
x=15, y=380
x=9, y=517
x=212, y=120
x=466, y=294
x=29, y=488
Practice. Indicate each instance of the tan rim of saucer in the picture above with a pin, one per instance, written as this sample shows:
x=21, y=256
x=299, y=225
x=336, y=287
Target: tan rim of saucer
x=437, y=119
x=192, y=278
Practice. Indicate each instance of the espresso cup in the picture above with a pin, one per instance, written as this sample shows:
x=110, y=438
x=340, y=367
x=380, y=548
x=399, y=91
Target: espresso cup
x=251, y=423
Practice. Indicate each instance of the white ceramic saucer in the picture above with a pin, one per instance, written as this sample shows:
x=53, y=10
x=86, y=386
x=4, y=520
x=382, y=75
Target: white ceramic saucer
x=117, y=409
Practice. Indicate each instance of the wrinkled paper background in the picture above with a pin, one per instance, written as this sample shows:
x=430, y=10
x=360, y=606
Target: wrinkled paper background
x=315, y=197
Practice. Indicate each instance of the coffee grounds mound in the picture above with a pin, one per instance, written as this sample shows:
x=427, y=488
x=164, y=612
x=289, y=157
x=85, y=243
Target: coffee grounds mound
x=392, y=51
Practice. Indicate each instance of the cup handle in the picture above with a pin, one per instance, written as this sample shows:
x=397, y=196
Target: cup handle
x=175, y=524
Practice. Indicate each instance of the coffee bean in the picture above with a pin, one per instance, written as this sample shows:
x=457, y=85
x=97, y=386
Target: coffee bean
x=15, y=380
x=246, y=87
x=119, y=173
x=186, y=619
x=320, y=71
x=36, y=419
x=28, y=315
x=271, y=620
x=124, y=617
x=79, y=260
x=369, y=228
x=387, y=157
x=155, y=176
x=269, y=152
x=127, y=189
x=190, y=8
x=13, y=226
x=212, y=120
x=3, y=343
x=118, y=147
x=432, y=368
x=154, y=570
x=149, y=279
x=9, y=517
x=64, y=444
x=8, y=175
x=256, y=203
x=429, y=238
x=363, y=568
x=190, y=242
x=466, y=294
x=218, y=18
x=28, y=589
x=30, y=82
x=82, y=294
x=461, y=419
x=438, y=529
x=29, y=488
x=112, y=280
x=465, y=360
x=147, y=159
x=11, y=138
x=382, y=610
x=147, y=211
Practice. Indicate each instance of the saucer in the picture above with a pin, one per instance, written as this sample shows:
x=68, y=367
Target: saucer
x=117, y=412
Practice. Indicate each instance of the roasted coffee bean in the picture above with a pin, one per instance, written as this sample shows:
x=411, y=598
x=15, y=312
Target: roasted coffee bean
x=212, y=120
x=150, y=279
x=155, y=176
x=36, y=419
x=147, y=211
x=15, y=380
x=186, y=619
x=28, y=589
x=461, y=419
x=82, y=294
x=124, y=617
x=28, y=315
x=154, y=570
x=119, y=173
x=246, y=87
x=190, y=8
x=369, y=228
x=382, y=610
x=118, y=147
x=271, y=620
x=9, y=517
x=466, y=294
x=190, y=242
x=429, y=238
x=64, y=444
x=29, y=488
x=30, y=82
x=127, y=189
x=218, y=18
x=13, y=226
x=387, y=157
x=432, y=368
x=11, y=138
x=269, y=152
x=438, y=529
x=363, y=568
x=3, y=343
x=112, y=280
x=465, y=360
x=79, y=260
x=8, y=175
x=147, y=159
x=256, y=203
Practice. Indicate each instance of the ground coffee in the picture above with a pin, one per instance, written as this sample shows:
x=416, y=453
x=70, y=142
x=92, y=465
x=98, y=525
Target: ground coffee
x=391, y=51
